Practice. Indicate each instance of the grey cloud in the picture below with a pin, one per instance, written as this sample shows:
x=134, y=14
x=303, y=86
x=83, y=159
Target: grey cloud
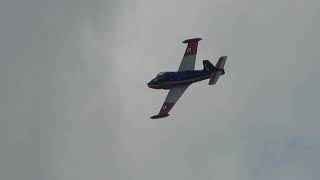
x=60, y=104
x=76, y=106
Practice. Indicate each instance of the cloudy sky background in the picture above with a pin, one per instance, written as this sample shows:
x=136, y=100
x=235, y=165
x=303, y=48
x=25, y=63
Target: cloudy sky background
x=75, y=105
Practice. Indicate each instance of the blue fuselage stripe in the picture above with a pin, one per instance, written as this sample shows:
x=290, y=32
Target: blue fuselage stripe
x=184, y=77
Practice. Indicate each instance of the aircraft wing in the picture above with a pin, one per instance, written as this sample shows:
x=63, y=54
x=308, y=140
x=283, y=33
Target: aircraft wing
x=172, y=97
x=189, y=58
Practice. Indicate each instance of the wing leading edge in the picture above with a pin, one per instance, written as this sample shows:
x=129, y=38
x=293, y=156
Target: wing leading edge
x=172, y=97
x=189, y=58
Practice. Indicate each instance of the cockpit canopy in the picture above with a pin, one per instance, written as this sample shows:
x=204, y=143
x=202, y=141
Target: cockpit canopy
x=160, y=78
x=160, y=74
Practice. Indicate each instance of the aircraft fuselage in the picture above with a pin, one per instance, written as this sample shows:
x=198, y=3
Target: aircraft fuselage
x=168, y=80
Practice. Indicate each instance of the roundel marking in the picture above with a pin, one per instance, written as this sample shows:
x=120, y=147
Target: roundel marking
x=164, y=107
x=189, y=49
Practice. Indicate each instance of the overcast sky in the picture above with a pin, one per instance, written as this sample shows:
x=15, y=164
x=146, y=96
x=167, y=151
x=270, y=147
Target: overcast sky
x=74, y=104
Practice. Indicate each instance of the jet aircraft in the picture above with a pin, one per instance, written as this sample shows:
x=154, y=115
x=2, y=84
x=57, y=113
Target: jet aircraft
x=177, y=82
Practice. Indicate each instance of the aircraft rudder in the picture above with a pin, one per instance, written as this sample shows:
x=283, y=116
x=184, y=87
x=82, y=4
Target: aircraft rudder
x=208, y=66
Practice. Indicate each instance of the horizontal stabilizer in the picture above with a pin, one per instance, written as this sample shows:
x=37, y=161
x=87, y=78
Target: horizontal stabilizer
x=221, y=62
x=219, y=70
x=214, y=77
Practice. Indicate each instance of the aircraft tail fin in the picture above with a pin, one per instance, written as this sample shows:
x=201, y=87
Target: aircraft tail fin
x=207, y=66
x=219, y=70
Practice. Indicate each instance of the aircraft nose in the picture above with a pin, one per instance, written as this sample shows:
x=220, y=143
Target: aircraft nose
x=151, y=83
